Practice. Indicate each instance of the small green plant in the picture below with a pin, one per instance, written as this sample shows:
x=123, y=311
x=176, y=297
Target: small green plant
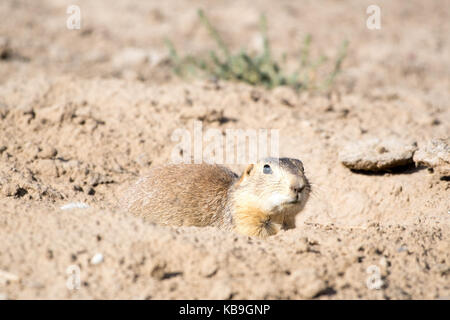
x=261, y=69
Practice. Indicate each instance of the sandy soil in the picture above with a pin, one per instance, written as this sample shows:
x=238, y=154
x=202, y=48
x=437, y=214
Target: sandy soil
x=80, y=119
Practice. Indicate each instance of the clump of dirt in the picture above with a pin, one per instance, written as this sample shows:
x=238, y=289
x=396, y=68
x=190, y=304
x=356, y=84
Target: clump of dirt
x=436, y=156
x=375, y=155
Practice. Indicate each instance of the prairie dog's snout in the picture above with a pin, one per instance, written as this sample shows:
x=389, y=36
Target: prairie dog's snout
x=297, y=187
x=299, y=184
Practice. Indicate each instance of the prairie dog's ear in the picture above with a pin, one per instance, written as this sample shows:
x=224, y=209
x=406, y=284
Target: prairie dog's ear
x=299, y=164
x=246, y=173
x=249, y=169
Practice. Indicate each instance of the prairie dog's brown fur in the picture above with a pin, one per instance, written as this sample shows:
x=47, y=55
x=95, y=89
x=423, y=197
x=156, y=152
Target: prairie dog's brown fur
x=263, y=200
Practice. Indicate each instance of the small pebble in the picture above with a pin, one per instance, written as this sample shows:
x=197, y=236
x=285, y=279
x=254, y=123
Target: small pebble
x=7, y=276
x=74, y=205
x=97, y=258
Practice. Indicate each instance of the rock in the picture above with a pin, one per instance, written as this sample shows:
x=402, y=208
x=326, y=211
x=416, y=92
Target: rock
x=74, y=205
x=97, y=259
x=7, y=277
x=436, y=155
x=377, y=155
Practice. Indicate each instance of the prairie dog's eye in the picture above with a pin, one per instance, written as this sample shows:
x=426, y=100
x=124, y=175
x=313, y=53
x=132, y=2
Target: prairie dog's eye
x=267, y=169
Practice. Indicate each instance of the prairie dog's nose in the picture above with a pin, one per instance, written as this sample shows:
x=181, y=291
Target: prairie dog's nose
x=298, y=187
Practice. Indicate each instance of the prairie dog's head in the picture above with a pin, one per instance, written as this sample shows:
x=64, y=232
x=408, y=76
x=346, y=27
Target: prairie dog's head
x=275, y=185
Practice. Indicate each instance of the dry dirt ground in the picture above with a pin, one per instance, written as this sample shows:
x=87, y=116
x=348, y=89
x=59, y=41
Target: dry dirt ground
x=84, y=112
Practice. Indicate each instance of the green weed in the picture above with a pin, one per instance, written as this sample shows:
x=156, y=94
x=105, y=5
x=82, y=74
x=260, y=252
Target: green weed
x=261, y=69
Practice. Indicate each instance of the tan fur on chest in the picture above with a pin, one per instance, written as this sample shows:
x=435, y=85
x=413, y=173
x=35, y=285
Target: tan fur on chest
x=253, y=221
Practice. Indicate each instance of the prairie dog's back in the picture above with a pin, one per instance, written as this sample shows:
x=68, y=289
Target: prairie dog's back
x=189, y=195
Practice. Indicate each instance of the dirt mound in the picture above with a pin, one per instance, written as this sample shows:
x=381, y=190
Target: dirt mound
x=77, y=125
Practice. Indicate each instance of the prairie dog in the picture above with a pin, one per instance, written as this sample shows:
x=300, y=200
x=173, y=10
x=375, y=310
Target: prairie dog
x=264, y=199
